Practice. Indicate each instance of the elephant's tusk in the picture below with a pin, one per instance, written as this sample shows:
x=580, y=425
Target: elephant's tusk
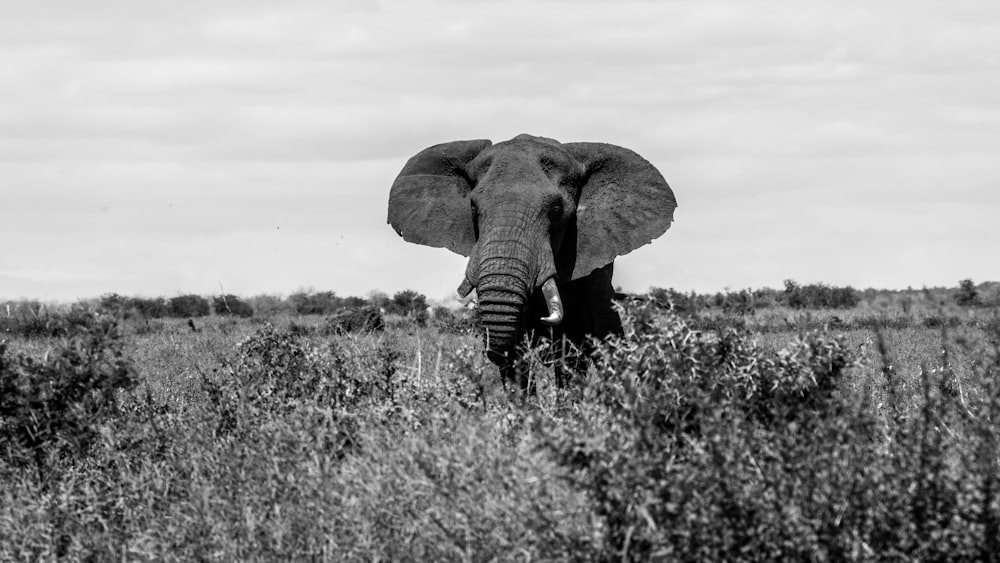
x=472, y=297
x=465, y=287
x=553, y=301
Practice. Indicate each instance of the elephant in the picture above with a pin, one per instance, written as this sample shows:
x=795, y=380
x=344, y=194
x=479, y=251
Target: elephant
x=541, y=223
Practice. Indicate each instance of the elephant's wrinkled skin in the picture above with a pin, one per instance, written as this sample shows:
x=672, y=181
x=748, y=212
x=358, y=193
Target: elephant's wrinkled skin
x=541, y=223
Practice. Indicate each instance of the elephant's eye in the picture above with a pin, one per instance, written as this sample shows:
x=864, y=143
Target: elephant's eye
x=475, y=218
x=556, y=211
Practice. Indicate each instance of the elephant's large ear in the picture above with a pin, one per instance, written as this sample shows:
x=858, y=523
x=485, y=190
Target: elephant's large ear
x=429, y=201
x=624, y=204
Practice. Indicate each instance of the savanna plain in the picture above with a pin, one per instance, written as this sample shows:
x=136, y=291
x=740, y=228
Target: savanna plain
x=809, y=423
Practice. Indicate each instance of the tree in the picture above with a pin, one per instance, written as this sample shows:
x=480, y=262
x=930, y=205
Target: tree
x=408, y=303
x=115, y=305
x=231, y=305
x=152, y=308
x=967, y=294
x=315, y=303
x=189, y=306
x=379, y=299
x=353, y=302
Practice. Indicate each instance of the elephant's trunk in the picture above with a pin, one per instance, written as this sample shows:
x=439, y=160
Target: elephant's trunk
x=503, y=291
x=509, y=263
x=502, y=297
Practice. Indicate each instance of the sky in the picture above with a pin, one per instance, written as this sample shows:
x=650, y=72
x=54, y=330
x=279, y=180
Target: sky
x=248, y=147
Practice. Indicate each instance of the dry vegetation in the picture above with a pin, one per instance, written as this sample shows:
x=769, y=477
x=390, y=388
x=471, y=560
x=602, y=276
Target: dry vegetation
x=736, y=428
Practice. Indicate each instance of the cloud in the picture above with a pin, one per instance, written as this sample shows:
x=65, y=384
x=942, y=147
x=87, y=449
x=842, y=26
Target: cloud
x=288, y=83
x=161, y=130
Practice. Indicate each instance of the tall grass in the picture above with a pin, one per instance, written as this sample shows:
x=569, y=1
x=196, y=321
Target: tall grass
x=271, y=440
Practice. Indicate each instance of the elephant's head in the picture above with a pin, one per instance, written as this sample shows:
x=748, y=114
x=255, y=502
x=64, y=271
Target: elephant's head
x=529, y=212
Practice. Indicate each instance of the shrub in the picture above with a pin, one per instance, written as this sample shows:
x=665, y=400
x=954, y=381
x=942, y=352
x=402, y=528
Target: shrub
x=967, y=294
x=189, y=306
x=702, y=447
x=269, y=305
x=462, y=321
x=300, y=329
x=53, y=407
x=231, y=305
x=379, y=299
x=675, y=300
x=443, y=315
x=273, y=363
x=819, y=296
x=938, y=321
x=686, y=370
x=151, y=308
x=322, y=302
x=739, y=303
x=274, y=372
x=149, y=327
x=314, y=303
x=408, y=303
x=353, y=302
x=31, y=319
x=115, y=305
x=360, y=319
x=25, y=318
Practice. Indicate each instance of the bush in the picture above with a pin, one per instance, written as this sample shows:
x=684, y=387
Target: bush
x=25, y=318
x=675, y=300
x=819, y=296
x=314, y=303
x=269, y=305
x=151, y=308
x=748, y=301
x=323, y=302
x=115, y=305
x=352, y=302
x=231, y=305
x=275, y=372
x=702, y=447
x=360, y=319
x=938, y=321
x=52, y=408
x=967, y=294
x=300, y=329
x=462, y=321
x=408, y=303
x=187, y=306
x=685, y=371
x=31, y=319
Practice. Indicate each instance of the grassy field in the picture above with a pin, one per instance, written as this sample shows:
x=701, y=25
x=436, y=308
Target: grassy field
x=867, y=434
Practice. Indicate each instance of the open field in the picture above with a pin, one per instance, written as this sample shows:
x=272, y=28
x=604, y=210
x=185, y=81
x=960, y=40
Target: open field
x=861, y=434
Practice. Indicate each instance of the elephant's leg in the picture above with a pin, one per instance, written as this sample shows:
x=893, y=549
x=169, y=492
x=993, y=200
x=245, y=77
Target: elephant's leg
x=531, y=353
x=562, y=366
x=518, y=371
x=570, y=363
x=508, y=374
x=559, y=371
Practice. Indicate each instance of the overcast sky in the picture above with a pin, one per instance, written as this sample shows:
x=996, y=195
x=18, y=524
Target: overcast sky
x=187, y=146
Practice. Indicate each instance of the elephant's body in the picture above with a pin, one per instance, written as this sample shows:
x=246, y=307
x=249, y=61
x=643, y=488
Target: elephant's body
x=589, y=314
x=541, y=223
x=589, y=310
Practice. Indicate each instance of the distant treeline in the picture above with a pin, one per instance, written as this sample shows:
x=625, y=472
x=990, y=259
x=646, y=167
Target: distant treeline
x=29, y=315
x=405, y=303
x=344, y=314
x=821, y=296
x=795, y=296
